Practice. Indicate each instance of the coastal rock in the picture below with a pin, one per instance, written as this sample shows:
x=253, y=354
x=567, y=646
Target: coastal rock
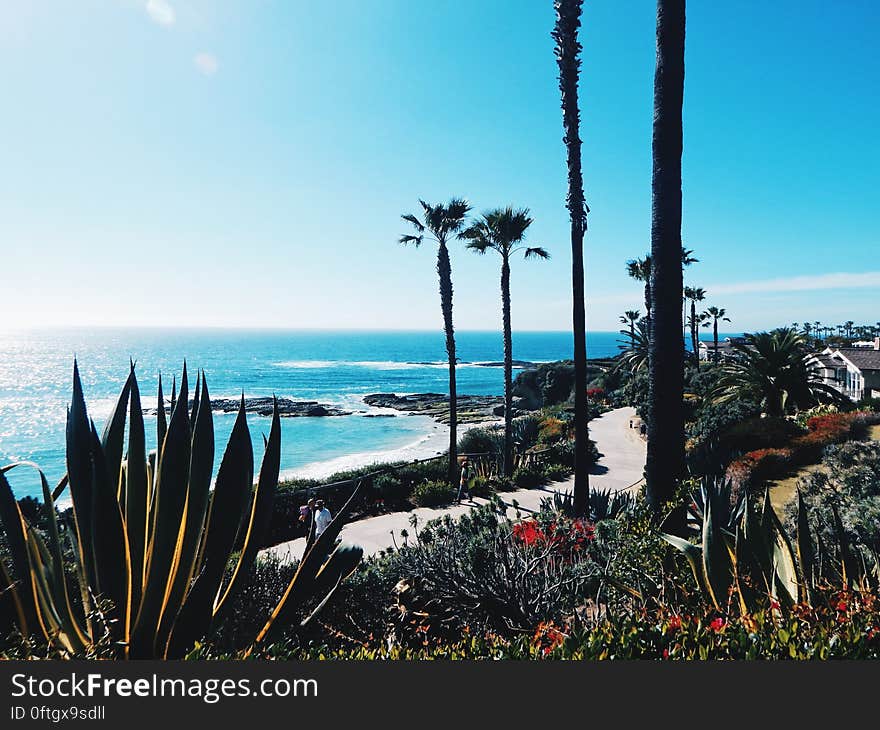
x=517, y=364
x=287, y=407
x=471, y=408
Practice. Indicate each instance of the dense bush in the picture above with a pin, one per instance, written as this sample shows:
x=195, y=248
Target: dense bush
x=528, y=477
x=479, y=571
x=714, y=420
x=433, y=494
x=850, y=483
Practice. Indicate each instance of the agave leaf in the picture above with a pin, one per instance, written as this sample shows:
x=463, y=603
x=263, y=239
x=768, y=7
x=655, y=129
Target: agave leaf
x=805, y=553
x=302, y=584
x=15, y=529
x=717, y=564
x=260, y=514
x=79, y=472
x=11, y=606
x=112, y=562
x=113, y=436
x=231, y=491
x=201, y=463
x=136, y=495
x=169, y=499
x=161, y=420
x=847, y=564
x=694, y=555
x=786, y=574
x=59, y=488
x=46, y=614
x=69, y=622
x=342, y=563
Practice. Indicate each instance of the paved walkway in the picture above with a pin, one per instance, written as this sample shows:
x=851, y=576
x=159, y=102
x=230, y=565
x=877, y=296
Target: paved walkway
x=621, y=465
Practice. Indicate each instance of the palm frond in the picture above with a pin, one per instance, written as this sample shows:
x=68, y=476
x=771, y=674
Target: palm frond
x=407, y=239
x=536, y=252
x=417, y=224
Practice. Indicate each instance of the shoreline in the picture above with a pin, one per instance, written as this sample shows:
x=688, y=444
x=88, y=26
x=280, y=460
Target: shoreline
x=432, y=443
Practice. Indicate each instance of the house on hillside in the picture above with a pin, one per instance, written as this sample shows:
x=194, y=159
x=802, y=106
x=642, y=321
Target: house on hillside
x=854, y=371
x=725, y=348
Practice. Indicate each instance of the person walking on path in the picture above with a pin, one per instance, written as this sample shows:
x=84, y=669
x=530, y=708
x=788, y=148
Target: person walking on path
x=464, y=475
x=306, y=514
x=322, y=518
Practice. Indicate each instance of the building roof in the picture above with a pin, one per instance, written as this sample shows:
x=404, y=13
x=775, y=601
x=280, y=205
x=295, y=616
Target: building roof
x=828, y=361
x=862, y=358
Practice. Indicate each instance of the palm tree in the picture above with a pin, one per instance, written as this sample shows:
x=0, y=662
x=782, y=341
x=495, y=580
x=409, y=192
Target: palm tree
x=771, y=369
x=665, y=463
x=629, y=318
x=440, y=223
x=713, y=315
x=503, y=230
x=635, y=355
x=567, y=51
x=687, y=258
x=694, y=294
x=848, y=327
x=640, y=270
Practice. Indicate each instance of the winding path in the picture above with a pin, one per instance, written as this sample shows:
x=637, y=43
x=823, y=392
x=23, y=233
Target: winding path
x=620, y=467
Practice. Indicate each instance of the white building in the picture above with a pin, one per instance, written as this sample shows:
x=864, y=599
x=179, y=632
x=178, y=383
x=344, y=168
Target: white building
x=854, y=371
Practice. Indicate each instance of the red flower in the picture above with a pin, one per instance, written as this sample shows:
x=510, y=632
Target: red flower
x=666, y=653
x=841, y=606
x=774, y=604
x=674, y=623
x=717, y=624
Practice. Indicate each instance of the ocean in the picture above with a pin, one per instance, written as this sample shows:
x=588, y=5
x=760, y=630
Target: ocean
x=332, y=367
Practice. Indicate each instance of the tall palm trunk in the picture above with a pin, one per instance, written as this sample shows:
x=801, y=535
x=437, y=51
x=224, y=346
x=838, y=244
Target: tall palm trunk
x=648, y=304
x=665, y=459
x=694, y=333
x=508, y=367
x=444, y=269
x=715, y=336
x=568, y=14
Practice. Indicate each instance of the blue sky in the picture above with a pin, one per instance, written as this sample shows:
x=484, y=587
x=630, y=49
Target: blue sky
x=245, y=162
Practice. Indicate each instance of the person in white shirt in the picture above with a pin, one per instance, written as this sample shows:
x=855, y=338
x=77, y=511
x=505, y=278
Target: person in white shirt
x=322, y=517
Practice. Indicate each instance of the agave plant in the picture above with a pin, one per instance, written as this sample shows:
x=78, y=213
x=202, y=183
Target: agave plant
x=149, y=540
x=603, y=504
x=744, y=555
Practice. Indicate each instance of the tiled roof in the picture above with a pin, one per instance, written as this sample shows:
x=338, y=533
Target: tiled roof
x=862, y=358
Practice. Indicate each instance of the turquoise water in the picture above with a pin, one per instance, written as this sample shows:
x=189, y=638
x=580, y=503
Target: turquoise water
x=331, y=367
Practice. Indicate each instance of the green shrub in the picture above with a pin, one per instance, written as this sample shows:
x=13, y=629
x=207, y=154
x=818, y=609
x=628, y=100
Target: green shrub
x=850, y=483
x=484, y=440
x=433, y=494
x=481, y=487
x=527, y=477
x=503, y=484
x=391, y=488
x=555, y=472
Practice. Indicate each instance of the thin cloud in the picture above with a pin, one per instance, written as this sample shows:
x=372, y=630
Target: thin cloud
x=161, y=12
x=801, y=283
x=206, y=63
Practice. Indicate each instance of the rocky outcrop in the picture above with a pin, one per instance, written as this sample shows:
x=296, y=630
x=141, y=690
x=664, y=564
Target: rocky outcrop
x=287, y=408
x=471, y=408
x=549, y=384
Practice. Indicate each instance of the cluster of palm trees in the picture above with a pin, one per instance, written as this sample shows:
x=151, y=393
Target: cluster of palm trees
x=502, y=230
x=848, y=330
x=638, y=329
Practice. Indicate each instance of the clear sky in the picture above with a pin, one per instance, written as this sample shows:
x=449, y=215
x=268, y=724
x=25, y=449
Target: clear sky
x=245, y=162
